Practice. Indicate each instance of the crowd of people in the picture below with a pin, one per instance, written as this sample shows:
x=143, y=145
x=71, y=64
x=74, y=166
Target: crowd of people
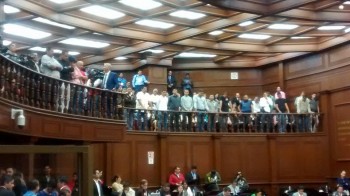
x=170, y=111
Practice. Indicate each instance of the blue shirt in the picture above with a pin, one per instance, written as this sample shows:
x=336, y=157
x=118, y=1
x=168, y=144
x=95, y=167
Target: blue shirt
x=43, y=193
x=246, y=106
x=138, y=80
x=122, y=82
x=29, y=193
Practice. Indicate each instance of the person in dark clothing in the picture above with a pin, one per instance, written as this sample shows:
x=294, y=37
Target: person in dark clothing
x=142, y=191
x=19, y=184
x=174, y=105
x=65, y=60
x=6, y=185
x=192, y=178
x=165, y=190
x=171, y=82
x=129, y=104
x=343, y=181
x=187, y=83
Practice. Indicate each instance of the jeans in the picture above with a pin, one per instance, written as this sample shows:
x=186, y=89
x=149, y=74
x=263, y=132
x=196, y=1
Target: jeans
x=129, y=117
x=142, y=120
x=211, y=122
x=163, y=120
x=266, y=119
x=187, y=121
x=246, y=121
x=223, y=122
x=282, y=123
x=174, y=116
x=200, y=120
x=304, y=122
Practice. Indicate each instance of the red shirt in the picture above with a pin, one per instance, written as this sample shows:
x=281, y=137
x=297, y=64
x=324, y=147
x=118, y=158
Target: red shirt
x=176, y=179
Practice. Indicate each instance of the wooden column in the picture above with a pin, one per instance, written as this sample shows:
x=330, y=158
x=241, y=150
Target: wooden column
x=281, y=75
x=164, y=172
x=157, y=76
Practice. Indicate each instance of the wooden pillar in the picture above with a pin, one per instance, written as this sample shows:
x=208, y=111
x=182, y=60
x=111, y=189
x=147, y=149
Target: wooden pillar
x=273, y=165
x=164, y=172
x=281, y=75
x=217, y=152
x=157, y=76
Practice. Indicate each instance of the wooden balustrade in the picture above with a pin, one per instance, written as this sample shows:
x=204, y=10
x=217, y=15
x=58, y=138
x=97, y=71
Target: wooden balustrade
x=22, y=85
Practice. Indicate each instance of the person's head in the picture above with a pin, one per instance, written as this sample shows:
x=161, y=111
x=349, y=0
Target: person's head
x=139, y=72
x=129, y=90
x=213, y=173
x=278, y=89
x=126, y=187
x=7, y=182
x=194, y=168
x=128, y=84
x=155, y=91
x=239, y=174
x=234, y=183
x=185, y=185
x=97, y=174
x=121, y=75
x=18, y=175
x=300, y=189
x=144, y=184
x=64, y=55
x=10, y=171
x=343, y=174
x=170, y=73
x=279, y=95
x=187, y=75
x=166, y=187
x=47, y=170
x=216, y=95
x=180, y=188
x=225, y=94
x=226, y=191
x=313, y=96
x=107, y=67
x=33, y=185
x=62, y=181
x=49, y=51
x=144, y=89
x=245, y=97
x=75, y=176
x=51, y=185
x=302, y=94
x=238, y=95
x=340, y=189
x=211, y=97
x=80, y=65
x=34, y=57
x=174, y=91
x=265, y=94
x=12, y=47
x=186, y=92
x=117, y=179
x=177, y=170
x=256, y=99
x=164, y=93
x=200, y=93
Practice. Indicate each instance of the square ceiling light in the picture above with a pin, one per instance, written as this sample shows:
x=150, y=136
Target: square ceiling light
x=46, y=21
x=283, y=26
x=187, y=14
x=22, y=31
x=254, y=36
x=141, y=4
x=155, y=24
x=84, y=43
x=102, y=12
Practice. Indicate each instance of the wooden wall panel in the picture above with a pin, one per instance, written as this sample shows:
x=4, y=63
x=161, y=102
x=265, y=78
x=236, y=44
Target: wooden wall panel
x=256, y=154
x=304, y=65
x=339, y=55
x=287, y=156
x=202, y=151
x=143, y=169
x=231, y=159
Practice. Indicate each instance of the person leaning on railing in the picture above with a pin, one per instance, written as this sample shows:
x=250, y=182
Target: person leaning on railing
x=142, y=104
x=129, y=104
x=49, y=65
x=174, y=104
x=186, y=107
x=281, y=107
x=213, y=108
x=162, y=106
x=303, y=109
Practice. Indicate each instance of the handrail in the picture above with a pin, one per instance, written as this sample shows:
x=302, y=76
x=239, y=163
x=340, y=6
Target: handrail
x=25, y=86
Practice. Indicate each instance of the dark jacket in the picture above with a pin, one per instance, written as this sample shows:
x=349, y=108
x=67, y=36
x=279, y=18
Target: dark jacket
x=191, y=181
x=5, y=192
x=66, y=73
x=174, y=103
x=112, y=81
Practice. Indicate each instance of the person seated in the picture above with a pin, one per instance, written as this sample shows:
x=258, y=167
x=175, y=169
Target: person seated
x=235, y=190
x=300, y=192
x=258, y=193
x=142, y=191
x=340, y=192
x=117, y=187
x=343, y=181
x=127, y=190
x=165, y=190
x=241, y=181
x=187, y=189
x=211, y=181
x=49, y=190
x=225, y=192
x=6, y=185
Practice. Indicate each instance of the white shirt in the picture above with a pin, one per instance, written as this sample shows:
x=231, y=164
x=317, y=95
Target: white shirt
x=256, y=107
x=49, y=66
x=265, y=103
x=98, y=187
x=154, y=99
x=162, y=103
x=131, y=192
x=144, y=98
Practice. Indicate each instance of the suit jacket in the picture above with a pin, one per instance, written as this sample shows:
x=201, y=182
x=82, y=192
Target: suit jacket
x=5, y=192
x=297, y=194
x=337, y=194
x=96, y=190
x=171, y=81
x=192, y=182
x=112, y=81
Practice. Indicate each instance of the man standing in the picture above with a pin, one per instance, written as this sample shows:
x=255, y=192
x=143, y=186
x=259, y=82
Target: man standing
x=266, y=119
x=281, y=107
x=129, y=103
x=213, y=108
x=47, y=178
x=303, y=109
x=225, y=105
x=67, y=69
x=171, y=83
x=6, y=185
x=162, y=107
x=187, y=83
x=315, y=108
x=186, y=107
x=142, y=103
x=121, y=81
x=97, y=186
x=49, y=65
x=176, y=178
x=246, y=106
x=139, y=81
x=110, y=80
x=200, y=105
x=300, y=191
x=174, y=105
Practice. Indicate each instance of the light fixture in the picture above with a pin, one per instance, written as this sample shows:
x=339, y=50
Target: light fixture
x=62, y=1
x=73, y=53
x=6, y=42
x=218, y=32
x=300, y=37
x=10, y=10
x=41, y=49
x=153, y=51
x=187, y=14
x=246, y=23
x=347, y=30
x=46, y=21
x=21, y=119
x=347, y=3
x=120, y=58
x=254, y=36
x=341, y=7
x=22, y=31
x=155, y=24
x=283, y=26
x=141, y=4
x=84, y=43
x=331, y=27
x=195, y=55
x=102, y=12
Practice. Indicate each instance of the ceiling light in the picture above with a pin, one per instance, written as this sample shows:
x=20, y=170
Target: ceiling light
x=341, y=7
x=155, y=24
x=347, y=30
x=46, y=21
x=25, y=31
x=10, y=10
x=195, y=55
x=283, y=26
x=41, y=49
x=187, y=14
x=6, y=42
x=216, y=32
x=73, y=53
x=300, y=37
x=246, y=23
x=62, y=1
x=142, y=5
x=331, y=27
x=102, y=12
x=254, y=36
x=84, y=42
x=347, y=2
x=153, y=51
x=120, y=58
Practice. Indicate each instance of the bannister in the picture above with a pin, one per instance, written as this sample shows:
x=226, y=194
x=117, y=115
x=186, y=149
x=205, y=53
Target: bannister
x=24, y=86
x=198, y=121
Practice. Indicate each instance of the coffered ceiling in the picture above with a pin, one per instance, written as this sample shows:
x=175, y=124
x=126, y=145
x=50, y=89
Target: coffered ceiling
x=221, y=33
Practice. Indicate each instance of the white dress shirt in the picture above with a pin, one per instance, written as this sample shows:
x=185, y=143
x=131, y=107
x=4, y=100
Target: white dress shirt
x=162, y=103
x=265, y=103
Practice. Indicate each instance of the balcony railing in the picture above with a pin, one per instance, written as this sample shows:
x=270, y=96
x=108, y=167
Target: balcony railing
x=177, y=121
x=24, y=86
